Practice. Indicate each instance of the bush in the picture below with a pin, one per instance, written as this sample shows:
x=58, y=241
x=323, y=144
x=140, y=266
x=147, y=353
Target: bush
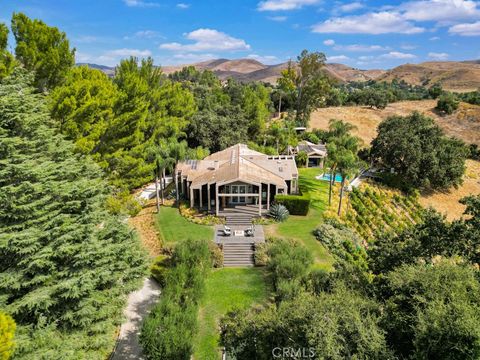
x=169, y=330
x=278, y=212
x=159, y=269
x=216, y=254
x=7, y=332
x=301, y=159
x=447, y=103
x=261, y=256
x=123, y=203
x=295, y=204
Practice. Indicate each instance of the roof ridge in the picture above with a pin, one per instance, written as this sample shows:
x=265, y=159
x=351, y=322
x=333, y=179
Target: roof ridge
x=261, y=167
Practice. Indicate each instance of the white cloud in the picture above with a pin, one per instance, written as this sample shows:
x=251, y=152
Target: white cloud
x=140, y=3
x=144, y=34
x=438, y=56
x=351, y=7
x=267, y=59
x=183, y=6
x=128, y=52
x=277, y=18
x=360, y=48
x=440, y=10
x=434, y=38
x=207, y=40
x=329, y=42
x=337, y=58
x=276, y=5
x=472, y=29
x=370, y=23
x=398, y=55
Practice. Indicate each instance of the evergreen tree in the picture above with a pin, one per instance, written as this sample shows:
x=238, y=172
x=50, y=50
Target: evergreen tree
x=66, y=264
x=7, y=61
x=43, y=49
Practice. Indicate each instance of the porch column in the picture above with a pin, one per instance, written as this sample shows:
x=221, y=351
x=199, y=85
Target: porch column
x=260, y=201
x=183, y=185
x=191, y=197
x=268, y=196
x=306, y=164
x=216, y=199
x=208, y=196
x=201, y=197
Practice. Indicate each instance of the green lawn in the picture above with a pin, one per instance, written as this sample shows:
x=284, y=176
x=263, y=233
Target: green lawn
x=226, y=289
x=301, y=227
x=173, y=227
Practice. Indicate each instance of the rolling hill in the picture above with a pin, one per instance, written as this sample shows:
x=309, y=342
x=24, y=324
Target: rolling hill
x=457, y=76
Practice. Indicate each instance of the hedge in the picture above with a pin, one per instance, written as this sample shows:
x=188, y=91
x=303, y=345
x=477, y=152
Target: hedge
x=296, y=204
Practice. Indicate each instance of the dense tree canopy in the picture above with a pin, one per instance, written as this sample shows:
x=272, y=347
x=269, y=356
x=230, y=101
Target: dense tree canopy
x=65, y=263
x=7, y=61
x=419, y=153
x=43, y=49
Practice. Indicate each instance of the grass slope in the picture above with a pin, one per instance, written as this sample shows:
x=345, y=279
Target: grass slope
x=301, y=227
x=173, y=227
x=226, y=289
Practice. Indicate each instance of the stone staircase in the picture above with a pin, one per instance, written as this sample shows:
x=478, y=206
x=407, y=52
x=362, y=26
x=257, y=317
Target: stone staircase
x=239, y=254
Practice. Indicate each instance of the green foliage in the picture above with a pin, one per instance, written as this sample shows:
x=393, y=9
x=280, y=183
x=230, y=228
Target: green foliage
x=7, y=61
x=434, y=236
x=123, y=203
x=288, y=261
x=447, y=103
x=421, y=156
x=66, y=264
x=159, y=268
x=42, y=49
x=169, y=329
x=216, y=254
x=261, y=255
x=339, y=325
x=296, y=204
x=301, y=159
x=432, y=312
x=307, y=83
x=7, y=334
x=470, y=97
x=343, y=243
x=123, y=124
x=278, y=212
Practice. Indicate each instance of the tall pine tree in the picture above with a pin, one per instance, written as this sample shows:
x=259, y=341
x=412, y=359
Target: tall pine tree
x=66, y=264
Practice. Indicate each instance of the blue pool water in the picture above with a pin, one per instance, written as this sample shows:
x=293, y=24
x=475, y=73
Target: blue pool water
x=326, y=177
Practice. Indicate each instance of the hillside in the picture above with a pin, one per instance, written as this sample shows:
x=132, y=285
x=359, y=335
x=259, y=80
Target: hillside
x=464, y=123
x=455, y=76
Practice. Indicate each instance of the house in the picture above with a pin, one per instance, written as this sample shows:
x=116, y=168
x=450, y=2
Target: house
x=316, y=153
x=236, y=176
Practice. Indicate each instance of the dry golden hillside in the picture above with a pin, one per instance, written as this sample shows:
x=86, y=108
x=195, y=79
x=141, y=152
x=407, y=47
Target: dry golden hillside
x=452, y=75
x=464, y=123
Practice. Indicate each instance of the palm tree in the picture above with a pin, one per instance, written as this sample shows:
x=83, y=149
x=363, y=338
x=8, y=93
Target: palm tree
x=178, y=152
x=348, y=164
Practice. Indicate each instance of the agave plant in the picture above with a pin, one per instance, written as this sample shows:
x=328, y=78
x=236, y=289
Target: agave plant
x=278, y=212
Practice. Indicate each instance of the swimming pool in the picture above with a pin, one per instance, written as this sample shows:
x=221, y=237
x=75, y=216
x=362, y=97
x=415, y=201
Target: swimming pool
x=326, y=177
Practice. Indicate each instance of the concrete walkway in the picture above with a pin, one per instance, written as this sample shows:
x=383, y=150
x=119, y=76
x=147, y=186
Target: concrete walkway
x=149, y=191
x=138, y=305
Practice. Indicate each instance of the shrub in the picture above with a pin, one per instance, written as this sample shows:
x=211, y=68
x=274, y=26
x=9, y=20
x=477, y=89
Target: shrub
x=216, y=254
x=159, y=268
x=7, y=332
x=123, y=203
x=261, y=256
x=278, y=212
x=301, y=159
x=296, y=204
x=169, y=330
x=447, y=103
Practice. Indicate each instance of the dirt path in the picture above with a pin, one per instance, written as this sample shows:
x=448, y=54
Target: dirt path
x=138, y=305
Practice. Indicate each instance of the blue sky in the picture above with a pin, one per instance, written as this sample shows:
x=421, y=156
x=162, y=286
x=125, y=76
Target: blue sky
x=364, y=34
